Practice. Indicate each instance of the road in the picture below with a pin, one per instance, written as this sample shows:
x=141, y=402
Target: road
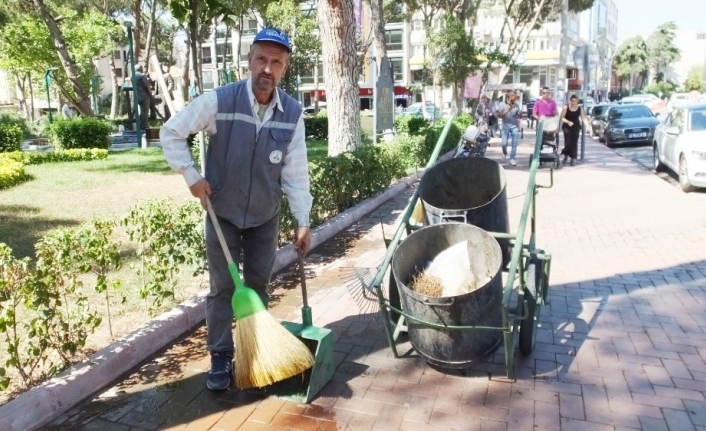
x=642, y=155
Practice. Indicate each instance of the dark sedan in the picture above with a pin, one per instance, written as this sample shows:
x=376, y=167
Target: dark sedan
x=628, y=124
x=595, y=115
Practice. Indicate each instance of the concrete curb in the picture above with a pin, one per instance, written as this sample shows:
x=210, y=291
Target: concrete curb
x=44, y=403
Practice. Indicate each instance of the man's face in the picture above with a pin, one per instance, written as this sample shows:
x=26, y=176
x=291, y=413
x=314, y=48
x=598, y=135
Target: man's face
x=545, y=94
x=268, y=62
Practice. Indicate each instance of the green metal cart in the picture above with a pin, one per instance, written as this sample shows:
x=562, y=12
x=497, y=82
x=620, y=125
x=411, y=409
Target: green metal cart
x=527, y=283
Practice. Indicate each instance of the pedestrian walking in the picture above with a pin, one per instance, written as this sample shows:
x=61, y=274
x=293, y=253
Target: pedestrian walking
x=573, y=118
x=545, y=106
x=511, y=113
x=257, y=152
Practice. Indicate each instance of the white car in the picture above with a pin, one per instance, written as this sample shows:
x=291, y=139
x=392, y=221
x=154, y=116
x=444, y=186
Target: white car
x=680, y=145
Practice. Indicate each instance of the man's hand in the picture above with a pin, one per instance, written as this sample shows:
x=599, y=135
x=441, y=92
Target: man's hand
x=302, y=239
x=201, y=189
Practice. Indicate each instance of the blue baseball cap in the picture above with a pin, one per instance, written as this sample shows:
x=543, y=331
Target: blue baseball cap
x=273, y=35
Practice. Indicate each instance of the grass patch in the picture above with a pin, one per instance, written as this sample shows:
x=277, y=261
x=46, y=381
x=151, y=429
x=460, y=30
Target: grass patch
x=316, y=150
x=70, y=193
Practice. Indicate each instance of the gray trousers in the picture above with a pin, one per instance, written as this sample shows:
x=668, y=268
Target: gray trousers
x=258, y=245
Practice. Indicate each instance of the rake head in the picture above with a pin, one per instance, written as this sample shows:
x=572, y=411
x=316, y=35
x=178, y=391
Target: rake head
x=359, y=282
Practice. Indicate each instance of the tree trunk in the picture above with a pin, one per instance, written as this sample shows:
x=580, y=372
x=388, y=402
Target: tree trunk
x=150, y=35
x=185, y=82
x=20, y=92
x=193, y=41
x=225, y=53
x=378, y=22
x=214, y=54
x=236, y=57
x=83, y=100
x=316, y=84
x=116, y=89
x=31, y=97
x=136, y=30
x=338, y=38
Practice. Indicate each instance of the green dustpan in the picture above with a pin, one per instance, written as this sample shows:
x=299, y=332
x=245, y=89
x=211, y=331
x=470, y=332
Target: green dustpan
x=303, y=388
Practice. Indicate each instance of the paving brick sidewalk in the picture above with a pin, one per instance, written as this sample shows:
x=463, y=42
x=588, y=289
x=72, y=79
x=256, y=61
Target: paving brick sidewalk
x=621, y=346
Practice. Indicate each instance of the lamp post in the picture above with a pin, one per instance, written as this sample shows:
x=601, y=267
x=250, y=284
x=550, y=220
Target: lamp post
x=133, y=80
x=47, y=82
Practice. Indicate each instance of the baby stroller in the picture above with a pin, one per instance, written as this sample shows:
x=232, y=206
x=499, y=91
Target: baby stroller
x=474, y=141
x=549, y=151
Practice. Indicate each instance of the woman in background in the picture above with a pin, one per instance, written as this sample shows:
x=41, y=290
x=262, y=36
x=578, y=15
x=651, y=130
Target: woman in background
x=572, y=117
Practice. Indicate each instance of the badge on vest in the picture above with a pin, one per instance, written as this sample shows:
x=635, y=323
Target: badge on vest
x=276, y=157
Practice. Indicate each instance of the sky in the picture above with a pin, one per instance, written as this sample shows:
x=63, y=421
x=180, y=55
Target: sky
x=636, y=17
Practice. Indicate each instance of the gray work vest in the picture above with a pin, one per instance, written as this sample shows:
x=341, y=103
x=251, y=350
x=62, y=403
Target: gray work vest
x=243, y=167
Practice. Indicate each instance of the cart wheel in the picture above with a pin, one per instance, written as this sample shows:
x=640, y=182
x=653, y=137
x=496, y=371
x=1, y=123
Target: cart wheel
x=557, y=163
x=533, y=288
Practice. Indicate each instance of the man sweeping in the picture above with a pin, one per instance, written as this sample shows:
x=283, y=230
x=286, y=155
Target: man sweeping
x=256, y=151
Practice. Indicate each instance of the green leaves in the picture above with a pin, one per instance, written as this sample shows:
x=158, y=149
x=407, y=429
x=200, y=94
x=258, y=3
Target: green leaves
x=168, y=236
x=84, y=132
x=454, y=51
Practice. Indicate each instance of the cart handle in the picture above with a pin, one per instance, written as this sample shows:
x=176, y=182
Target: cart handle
x=439, y=302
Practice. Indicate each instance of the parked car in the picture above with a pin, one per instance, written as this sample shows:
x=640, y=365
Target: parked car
x=590, y=103
x=594, y=116
x=310, y=111
x=680, y=145
x=628, y=124
x=650, y=100
x=431, y=111
x=676, y=98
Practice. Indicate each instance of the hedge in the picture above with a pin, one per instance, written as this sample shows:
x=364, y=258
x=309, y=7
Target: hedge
x=316, y=128
x=75, y=155
x=85, y=132
x=16, y=121
x=12, y=173
x=10, y=137
x=409, y=124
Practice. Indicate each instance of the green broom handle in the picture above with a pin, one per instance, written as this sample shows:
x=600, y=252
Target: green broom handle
x=219, y=233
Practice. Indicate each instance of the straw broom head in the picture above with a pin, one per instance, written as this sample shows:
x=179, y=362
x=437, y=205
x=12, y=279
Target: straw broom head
x=266, y=352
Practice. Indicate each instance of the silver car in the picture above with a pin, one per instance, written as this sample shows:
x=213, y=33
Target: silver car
x=680, y=145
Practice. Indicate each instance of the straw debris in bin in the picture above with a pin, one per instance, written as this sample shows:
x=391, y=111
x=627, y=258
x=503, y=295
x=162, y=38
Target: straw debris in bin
x=426, y=285
x=266, y=352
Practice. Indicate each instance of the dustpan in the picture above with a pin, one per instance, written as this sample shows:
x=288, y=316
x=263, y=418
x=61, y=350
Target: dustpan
x=304, y=387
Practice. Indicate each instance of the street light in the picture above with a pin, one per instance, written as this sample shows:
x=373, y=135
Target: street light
x=133, y=80
x=48, y=75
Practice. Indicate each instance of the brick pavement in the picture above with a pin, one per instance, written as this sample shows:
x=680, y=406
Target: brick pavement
x=621, y=346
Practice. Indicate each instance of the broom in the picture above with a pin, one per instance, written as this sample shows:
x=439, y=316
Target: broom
x=265, y=352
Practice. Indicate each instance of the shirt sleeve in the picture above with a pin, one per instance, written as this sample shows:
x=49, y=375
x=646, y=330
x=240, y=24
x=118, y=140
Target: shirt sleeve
x=197, y=116
x=295, y=176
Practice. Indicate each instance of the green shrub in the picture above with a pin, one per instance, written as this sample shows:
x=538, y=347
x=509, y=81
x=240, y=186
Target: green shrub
x=431, y=136
x=407, y=149
x=74, y=155
x=17, y=121
x=316, y=128
x=81, y=133
x=10, y=138
x=463, y=121
x=12, y=173
x=409, y=124
x=340, y=182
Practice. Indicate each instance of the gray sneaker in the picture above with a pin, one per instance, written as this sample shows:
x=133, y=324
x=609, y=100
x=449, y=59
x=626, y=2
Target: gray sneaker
x=221, y=373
